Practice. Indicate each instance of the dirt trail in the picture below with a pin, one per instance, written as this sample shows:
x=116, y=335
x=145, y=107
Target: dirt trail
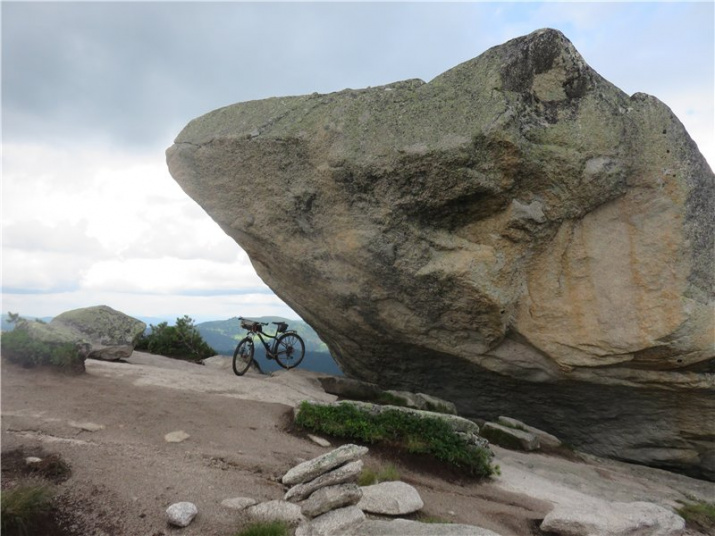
x=110, y=426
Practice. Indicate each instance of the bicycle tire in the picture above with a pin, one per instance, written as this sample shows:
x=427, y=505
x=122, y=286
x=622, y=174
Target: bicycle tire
x=243, y=356
x=290, y=350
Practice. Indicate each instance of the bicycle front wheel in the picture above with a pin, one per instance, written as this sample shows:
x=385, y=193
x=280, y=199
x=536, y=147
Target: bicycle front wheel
x=290, y=350
x=243, y=356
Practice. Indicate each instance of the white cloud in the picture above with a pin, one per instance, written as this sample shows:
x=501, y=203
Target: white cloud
x=171, y=276
x=165, y=306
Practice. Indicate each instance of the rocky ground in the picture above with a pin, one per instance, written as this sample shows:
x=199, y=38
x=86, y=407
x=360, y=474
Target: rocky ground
x=143, y=434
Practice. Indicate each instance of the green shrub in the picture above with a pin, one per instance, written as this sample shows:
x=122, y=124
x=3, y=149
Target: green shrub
x=19, y=347
x=402, y=430
x=274, y=528
x=182, y=340
x=700, y=515
x=23, y=505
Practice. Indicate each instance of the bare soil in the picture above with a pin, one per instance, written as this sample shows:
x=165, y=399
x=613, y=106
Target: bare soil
x=110, y=426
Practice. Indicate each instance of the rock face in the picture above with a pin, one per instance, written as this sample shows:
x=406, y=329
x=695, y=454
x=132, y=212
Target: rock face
x=517, y=236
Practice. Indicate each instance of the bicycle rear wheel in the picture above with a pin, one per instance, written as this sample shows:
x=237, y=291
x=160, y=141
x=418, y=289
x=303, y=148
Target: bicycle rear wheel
x=243, y=356
x=290, y=350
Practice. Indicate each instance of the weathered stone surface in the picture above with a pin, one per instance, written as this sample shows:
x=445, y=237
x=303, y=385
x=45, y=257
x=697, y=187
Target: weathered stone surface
x=99, y=332
x=238, y=503
x=346, y=473
x=350, y=388
x=511, y=438
x=424, y=402
x=181, y=514
x=276, y=511
x=516, y=221
x=331, y=498
x=112, y=334
x=334, y=523
x=402, y=527
x=390, y=498
x=545, y=439
x=317, y=466
x=613, y=519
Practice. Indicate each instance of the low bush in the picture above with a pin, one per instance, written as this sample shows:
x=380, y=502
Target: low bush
x=182, y=341
x=22, y=507
x=19, y=347
x=401, y=430
x=700, y=515
x=273, y=528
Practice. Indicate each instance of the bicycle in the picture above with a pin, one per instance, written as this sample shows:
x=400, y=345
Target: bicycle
x=287, y=348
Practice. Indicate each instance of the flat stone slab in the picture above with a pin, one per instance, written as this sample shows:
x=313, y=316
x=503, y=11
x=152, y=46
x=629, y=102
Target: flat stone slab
x=346, y=473
x=510, y=438
x=545, y=438
x=390, y=498
x=238, y=503
x=613, y=519
x=276, y=511
x=86, y=426
x=331, y=498
x=340, y=521
x=317, y=466
x=404, y=527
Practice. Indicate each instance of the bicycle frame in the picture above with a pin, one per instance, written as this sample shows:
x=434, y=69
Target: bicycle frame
x=270, y=350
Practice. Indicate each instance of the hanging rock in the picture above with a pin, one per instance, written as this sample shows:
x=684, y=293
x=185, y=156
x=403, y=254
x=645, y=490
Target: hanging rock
x=516, y=225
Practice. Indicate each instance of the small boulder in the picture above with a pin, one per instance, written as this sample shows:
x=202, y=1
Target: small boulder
x=331, y=498
x=510, y=438
x=312, y=468
x=181, y=514
x=545, y=438
x=390, y=498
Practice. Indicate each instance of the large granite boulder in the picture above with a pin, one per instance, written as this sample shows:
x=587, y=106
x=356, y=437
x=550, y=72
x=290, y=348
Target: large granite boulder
x=518, y=236
x=100, y=332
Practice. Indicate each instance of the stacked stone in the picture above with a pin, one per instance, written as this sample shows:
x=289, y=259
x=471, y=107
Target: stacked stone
x=326, y=490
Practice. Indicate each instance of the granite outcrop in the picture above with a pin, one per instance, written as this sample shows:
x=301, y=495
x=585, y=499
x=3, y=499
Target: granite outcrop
x=517, y=236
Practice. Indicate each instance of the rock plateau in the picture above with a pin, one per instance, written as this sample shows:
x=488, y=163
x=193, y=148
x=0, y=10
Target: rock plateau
x=517, y=236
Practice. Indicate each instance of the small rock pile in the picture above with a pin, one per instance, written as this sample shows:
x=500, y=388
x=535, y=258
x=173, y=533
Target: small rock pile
x=325, y=488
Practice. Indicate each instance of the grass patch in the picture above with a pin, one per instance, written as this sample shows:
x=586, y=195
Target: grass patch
x=273, y=528
x=23, y=506
x=398, y=429
x=700, y=515
x=369, y=476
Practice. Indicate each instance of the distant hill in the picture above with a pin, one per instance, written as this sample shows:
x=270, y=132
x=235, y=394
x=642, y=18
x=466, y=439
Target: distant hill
x=223, y=336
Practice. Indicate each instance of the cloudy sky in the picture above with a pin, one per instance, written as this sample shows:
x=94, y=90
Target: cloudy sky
x=94, y=92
